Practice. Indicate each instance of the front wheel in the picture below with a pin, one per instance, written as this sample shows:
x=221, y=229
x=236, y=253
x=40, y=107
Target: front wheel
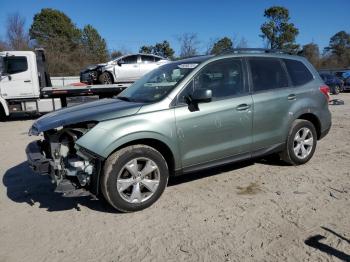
x=301, y=143
x=105, y=78
x=134, y=178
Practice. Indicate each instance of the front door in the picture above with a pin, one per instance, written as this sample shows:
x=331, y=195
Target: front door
x=16, y=81
x=129, y=69
x=221, y=128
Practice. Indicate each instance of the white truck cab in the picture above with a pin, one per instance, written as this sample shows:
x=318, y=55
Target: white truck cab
x=25, y=85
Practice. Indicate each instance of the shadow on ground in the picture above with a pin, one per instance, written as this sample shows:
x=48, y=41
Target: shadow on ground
x=314, y=241
x=25, y=186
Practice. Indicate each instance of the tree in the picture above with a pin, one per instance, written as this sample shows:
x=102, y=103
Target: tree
x=161, y=49
x=242, y=43
x=339, y=49
x=17, y=37
x=222, y=45
x=312, y=53
x=277, y=31
x=94, y=45
x=116, y=53
x=51, y=24
x=146, y=49
x=3, y=46
x=189, y=45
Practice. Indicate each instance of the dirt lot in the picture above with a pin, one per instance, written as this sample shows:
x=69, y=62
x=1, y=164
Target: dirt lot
x=255, y=211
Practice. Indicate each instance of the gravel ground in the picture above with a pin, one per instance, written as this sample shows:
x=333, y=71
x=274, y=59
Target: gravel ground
x=252, y=211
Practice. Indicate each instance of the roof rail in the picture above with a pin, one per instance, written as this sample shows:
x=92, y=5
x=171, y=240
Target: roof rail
x=253, y=50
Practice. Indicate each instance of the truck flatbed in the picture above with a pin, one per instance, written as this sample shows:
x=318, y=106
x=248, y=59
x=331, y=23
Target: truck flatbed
x=84, y=90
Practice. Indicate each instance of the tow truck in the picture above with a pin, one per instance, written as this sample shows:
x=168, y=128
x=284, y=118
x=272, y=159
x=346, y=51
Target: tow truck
x=25, y=85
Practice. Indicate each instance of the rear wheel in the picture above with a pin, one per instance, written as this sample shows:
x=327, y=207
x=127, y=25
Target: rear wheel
x=134, y=178
x=336, y=90
x=301, y=143
x=105, y=78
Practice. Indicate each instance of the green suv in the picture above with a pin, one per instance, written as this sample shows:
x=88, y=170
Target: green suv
x=185, y=116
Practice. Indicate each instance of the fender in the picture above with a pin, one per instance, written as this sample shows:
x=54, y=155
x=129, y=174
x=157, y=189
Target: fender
x=4, y=106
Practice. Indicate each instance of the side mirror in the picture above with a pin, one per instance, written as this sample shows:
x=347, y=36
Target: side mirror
x=120, y=62
x=201, y=95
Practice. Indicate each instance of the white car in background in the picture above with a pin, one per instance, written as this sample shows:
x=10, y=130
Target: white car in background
x=123, y=69
x=130, y=68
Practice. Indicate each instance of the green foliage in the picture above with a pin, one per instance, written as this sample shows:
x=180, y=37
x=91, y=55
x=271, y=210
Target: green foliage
x=278, y=32
x=222, y=45
x=339, y=43
x=312, y=53
x=339, y=48
x=161, y=49
x=146, y=49
x=94, y=45
x=116, y=53
x=52, y=24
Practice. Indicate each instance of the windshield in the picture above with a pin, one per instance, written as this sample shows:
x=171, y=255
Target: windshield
x=157, y=84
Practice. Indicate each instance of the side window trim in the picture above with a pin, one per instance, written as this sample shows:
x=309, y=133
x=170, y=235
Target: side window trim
x=177, y=103
x=290, y=77
x=251, y=83
x=284, y=66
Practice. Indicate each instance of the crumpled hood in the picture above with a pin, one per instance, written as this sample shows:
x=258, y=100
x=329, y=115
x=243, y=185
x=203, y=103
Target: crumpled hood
x=94, y=111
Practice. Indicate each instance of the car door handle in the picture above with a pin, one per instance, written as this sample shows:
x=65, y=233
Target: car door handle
x=242, y=107
x=292, y=97
x=27, y=81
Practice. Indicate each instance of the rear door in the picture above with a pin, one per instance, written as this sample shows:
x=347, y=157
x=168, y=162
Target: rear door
x=272, y=98
x=147, y=64
x=18, y=82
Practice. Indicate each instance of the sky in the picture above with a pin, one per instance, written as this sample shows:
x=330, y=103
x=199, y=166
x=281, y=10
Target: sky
x=127, y=25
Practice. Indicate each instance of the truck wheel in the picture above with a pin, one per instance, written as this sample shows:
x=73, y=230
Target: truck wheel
x=105, y=79
x=3, y=116
x=134, y=178
x=301, y=143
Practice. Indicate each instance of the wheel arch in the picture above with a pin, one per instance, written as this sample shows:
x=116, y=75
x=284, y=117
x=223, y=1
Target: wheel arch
x=314, y=120
x=159, y=145
x=4, y=107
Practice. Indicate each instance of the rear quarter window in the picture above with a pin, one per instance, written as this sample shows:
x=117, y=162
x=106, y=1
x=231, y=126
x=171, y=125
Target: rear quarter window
x=298, y=72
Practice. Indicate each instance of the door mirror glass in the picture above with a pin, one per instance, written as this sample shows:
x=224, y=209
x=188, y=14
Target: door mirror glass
x=120, y=62
x=201, y=95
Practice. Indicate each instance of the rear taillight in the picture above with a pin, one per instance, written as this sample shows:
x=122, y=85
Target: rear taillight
x=325, y=90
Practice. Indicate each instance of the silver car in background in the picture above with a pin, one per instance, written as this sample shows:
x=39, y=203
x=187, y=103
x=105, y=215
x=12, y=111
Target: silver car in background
x=123, y=69
x=130, y=68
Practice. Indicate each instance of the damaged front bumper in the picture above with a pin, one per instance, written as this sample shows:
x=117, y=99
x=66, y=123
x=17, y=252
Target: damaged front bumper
x=73, y=179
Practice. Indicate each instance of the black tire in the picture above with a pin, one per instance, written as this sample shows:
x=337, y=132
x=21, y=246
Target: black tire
x=114, y=167
x=336, y=90
x=105, y=78
x=289, y=155
x=2, y=114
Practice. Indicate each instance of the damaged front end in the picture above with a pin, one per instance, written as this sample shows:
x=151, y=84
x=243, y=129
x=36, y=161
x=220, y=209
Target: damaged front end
x=73, y=169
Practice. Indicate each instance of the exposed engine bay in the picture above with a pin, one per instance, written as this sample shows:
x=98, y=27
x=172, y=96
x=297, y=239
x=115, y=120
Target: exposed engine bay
x=71, y=168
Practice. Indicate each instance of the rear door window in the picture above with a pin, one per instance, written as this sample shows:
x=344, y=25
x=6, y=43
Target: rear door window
x=267, y=73
x=298, y=72
x=147, y=59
